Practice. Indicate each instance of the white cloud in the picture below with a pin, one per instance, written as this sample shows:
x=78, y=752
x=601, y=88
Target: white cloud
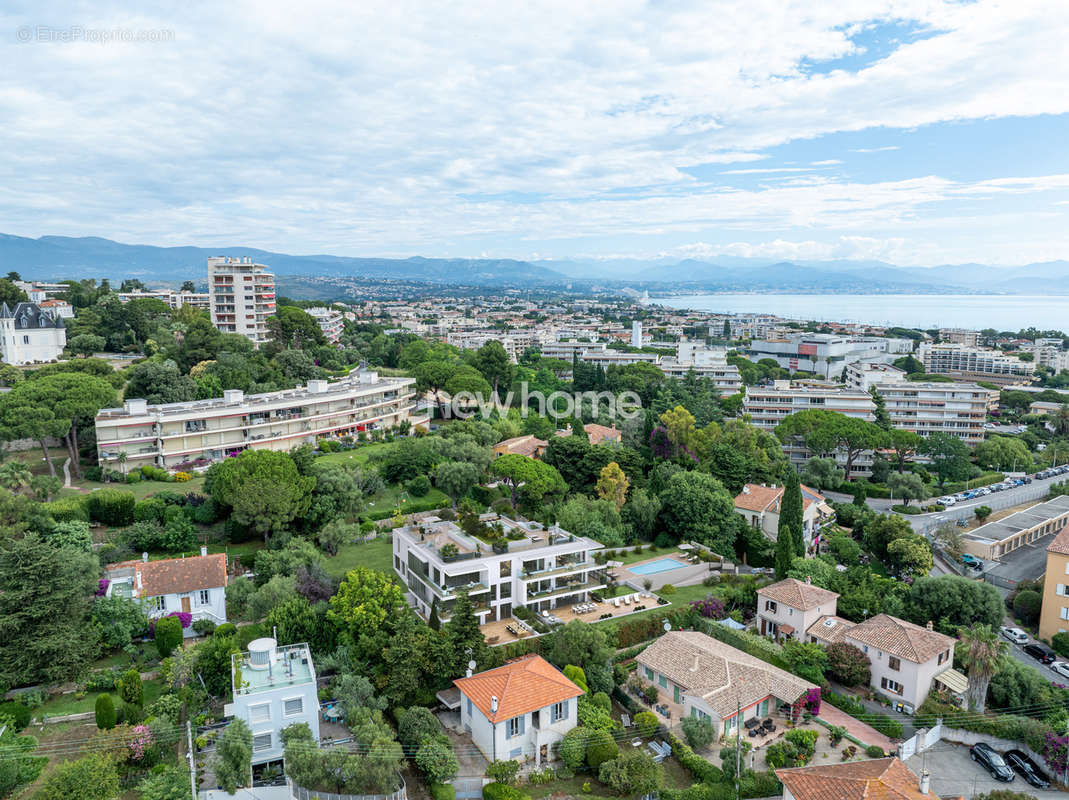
x=359, y=129
x=875, y=149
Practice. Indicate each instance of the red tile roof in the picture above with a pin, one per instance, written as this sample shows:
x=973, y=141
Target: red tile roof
x=755, y=497
x=900, y=638
x=876, y=779
x=1061, y=542
x=521, y=686
x=797, y=594
x=175, y=575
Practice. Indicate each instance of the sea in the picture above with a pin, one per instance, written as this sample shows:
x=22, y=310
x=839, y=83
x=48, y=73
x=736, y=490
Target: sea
x=923, y=311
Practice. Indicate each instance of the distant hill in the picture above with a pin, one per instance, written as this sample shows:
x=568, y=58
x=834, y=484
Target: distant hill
x=66, y=257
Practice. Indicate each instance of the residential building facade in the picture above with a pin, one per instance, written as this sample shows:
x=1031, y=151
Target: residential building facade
x=519, y=711
x=30, y=335
x=194, y=586
x=527, y=565
x=759, y=505
x=331, y=322
x=961, y=336
x=699, y=676
x=273, y=687
x=188, y=435
x=242, y=296
x=788, y=608
x=905, y=658
x=883, y=778
x=175, y=299
x=1054, y=615
x=974, y=363
x=826, y=354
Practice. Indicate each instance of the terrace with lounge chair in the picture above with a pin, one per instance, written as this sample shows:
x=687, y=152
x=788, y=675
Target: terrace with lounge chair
x=500, y=632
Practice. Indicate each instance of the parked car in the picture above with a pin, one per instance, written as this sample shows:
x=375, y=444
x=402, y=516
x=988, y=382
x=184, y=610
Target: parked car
x=1061, y=668
x=1027, y=769
x=1026, y=479
x=968, y=559
x=947, y=500
x=1015, y=635
x=1039, y=653
x=988, y=758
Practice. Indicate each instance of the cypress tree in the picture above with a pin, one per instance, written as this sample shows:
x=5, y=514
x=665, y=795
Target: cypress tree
x=790, y=511
x=881, y=417
x=432, y=621
x=784, y=550
x=105, y=712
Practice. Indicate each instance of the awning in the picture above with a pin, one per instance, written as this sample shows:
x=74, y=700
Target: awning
x=787, y=629
x=953, y=680
x=450, y=698
x=685, y=546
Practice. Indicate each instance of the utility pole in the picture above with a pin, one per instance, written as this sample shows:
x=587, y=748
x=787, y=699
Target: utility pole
x=192, y=762
x=738, y=743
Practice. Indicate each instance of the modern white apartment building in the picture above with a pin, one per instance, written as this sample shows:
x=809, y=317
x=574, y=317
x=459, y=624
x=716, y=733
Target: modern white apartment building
x=273, y=687
x=608, y=358
x=969, y=362
x=959, y=409
x=960, y=336
x=331, y=322
x=705, y=362
x=529, y=565
x=567, y=350
x=30, y=335
x=827, y=354
x=768, y=406
x=242, y=295
x=181, y=436
x=1054, y=358
x=174, y=299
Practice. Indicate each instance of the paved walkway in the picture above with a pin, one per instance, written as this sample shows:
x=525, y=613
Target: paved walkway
x=855, y=727
x=67, y=474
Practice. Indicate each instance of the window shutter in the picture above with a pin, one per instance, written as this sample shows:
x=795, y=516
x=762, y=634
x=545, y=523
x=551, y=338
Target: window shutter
x=1061, y=588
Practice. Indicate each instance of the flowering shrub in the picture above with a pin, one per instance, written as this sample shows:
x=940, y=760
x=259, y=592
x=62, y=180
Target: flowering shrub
x=182, y=477
x=711, y=607
x=812, y=701
x=102, y=587
x=140, y=740
x=183, y=616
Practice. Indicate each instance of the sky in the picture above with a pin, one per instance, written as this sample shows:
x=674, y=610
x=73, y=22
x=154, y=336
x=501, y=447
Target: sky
x=917, y=132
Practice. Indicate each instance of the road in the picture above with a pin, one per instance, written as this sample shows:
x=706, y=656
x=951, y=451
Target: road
x=1020, y=655
x=922, y=523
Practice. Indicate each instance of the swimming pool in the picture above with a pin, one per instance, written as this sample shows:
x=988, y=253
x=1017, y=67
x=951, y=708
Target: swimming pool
x=660, y=565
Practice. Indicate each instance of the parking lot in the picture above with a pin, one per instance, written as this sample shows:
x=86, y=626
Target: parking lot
x=954, y=773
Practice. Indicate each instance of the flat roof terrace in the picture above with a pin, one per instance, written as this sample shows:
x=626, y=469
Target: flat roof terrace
x=290, y=666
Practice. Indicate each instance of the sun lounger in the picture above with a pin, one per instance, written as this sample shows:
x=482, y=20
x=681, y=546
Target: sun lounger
x=625, y=720
x=616, y=602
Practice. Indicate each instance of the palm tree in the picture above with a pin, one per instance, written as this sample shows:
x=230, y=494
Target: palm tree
x=15, y=475
x=121, y=458
x=1061, y=419
x=985, y=650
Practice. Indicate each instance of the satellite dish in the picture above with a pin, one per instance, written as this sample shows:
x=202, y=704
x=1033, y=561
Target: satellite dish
x=667, y=626
x=471, y=664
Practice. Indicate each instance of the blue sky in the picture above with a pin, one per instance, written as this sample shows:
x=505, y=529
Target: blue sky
x=918, y=132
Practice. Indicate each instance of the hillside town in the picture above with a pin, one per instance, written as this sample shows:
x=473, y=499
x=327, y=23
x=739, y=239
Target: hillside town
x=266, y=547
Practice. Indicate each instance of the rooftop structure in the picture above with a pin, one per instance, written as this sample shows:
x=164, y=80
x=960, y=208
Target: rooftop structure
x=996, y=539
x=974, y=363
x=875, y=779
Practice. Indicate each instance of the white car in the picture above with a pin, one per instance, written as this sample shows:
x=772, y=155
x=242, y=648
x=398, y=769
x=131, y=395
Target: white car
x=947, y=500
x=1061, y=668
x=1015, y=635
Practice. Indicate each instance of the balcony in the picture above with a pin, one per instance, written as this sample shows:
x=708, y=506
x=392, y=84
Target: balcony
x=560, y=569
x=567, y=588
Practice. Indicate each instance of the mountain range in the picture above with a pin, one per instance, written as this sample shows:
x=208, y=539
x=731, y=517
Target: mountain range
x=57, y=257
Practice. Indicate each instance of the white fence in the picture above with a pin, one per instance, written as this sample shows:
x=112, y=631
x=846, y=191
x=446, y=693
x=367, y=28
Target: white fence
x=920, y=741
x=299, y=793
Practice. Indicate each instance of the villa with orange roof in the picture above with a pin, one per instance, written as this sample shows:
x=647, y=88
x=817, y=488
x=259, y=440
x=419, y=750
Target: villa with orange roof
x=520, y=710
x=759, y=505
x=884, y=778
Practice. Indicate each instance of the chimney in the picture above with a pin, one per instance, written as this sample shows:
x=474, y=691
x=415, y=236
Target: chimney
x=926, y=782
x=695, y=667
x=929, y=625
x=809, y=580
x=746, y=489
x=493, y=704
x=204, y=549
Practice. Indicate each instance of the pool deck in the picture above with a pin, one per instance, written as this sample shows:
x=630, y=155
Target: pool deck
x=686, y=575
x=496, y=634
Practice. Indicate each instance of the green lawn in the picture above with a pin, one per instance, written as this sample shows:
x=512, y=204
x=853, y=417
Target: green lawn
x=142, y=489
x=64, y=704
x=358, y=456
x=675, y=777
x=376, y=554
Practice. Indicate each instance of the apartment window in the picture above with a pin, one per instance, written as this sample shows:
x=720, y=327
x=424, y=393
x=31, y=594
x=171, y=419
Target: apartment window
x=506, y=590
x=25, y=339
x=770, y=605
x=649, y=674
x=204, y=598
x=662, y=681
x=1065, y=613
x=292, y=706
x=559, y=712
x=891, y=686
x=260, y=712
x=260, y=742
x=515, y=727
x=894, y=663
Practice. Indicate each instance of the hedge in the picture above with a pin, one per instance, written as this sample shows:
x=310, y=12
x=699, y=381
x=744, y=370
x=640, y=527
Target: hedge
x=18, y=712
x=886, y=725
x=985, y=479
x=68, y=509
x=112, y=507
x=502, y=791
x=443, y=791
x=693, y=763
x=1033, y=732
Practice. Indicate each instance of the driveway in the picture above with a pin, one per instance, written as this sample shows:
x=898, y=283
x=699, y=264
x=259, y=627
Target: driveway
x=954, y=773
